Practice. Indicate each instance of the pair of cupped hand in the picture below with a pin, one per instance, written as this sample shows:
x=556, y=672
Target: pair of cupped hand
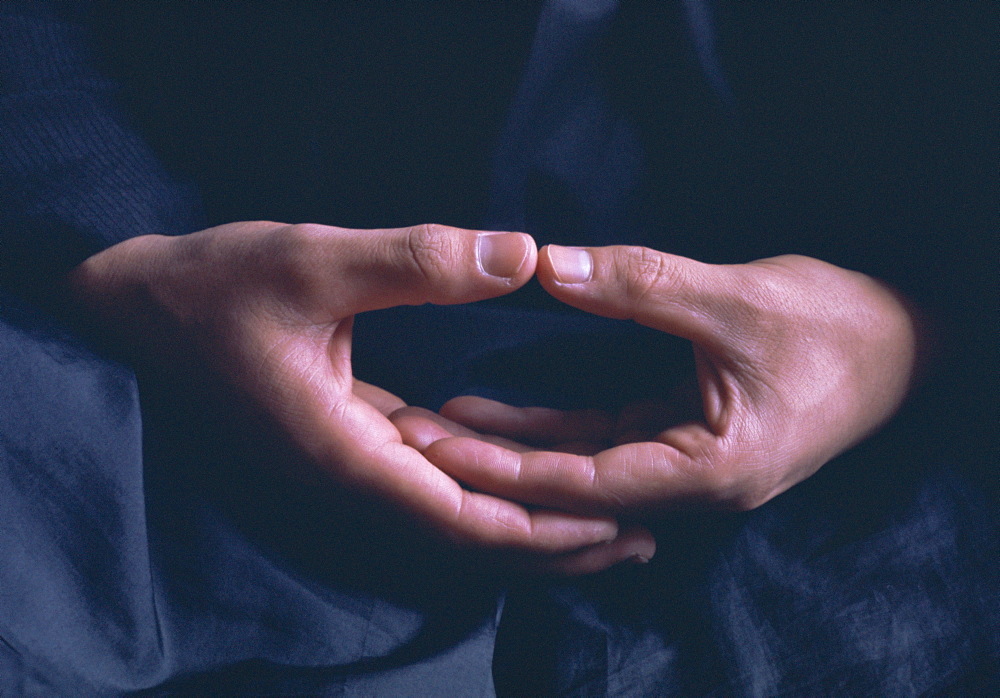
x=796, y=360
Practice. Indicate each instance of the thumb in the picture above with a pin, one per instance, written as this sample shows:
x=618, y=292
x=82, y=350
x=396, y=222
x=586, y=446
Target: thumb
x=672, y=294
x=374, y=269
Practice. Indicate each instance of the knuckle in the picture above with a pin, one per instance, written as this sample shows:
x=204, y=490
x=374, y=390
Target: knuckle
x=432, y=251
x=647, y=272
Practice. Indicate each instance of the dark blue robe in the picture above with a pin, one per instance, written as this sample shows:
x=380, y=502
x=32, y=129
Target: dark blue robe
x=147, y=546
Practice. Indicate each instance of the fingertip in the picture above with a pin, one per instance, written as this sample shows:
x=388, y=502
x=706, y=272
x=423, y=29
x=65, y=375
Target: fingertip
x=418, y=430
x=479, y=413
x=456, y=451
x=457, y=408
x=576, y=276
x=639, y=543
x=632, y=546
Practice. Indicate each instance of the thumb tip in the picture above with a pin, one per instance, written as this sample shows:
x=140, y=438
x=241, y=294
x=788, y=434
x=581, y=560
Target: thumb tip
x=509, y=256
x=566, y=265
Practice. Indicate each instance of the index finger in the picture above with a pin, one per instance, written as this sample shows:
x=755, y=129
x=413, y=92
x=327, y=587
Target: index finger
x=367, y=451
x=353, y=444
x=633, y=477
x=535, y=425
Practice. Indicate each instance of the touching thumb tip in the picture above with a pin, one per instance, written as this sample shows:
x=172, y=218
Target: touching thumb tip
x=570, y=265
x=503, y=254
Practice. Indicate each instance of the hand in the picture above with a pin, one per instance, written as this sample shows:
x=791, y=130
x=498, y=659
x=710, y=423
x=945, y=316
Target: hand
x=268, y=308
x=796, y=361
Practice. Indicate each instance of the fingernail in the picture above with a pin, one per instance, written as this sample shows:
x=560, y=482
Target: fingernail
x=502, y=254
x=571, y=264
x=637, y=559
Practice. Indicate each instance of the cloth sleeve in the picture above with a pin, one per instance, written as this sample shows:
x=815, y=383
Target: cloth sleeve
x=74, y=178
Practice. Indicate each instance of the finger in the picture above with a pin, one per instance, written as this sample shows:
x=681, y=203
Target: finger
x=663, y=291
x=648, y=476
x=352, y=271
x=634, y=545
x=420, y=428
x=359, y=449
x=482, y=520
x=535, y=425
x=363, y=450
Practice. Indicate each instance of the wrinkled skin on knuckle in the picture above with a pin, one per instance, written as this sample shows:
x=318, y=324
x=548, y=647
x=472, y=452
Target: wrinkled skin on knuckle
x=645, y=273
x=433, y=251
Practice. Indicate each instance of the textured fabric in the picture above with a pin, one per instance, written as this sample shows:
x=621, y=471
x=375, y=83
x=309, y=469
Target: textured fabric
x=74, y=179
x=820, y=592
x=145, y=549
x=130, y=562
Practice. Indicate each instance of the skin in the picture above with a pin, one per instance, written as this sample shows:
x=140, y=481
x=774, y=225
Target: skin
x=267, y=308
x=797, y=360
